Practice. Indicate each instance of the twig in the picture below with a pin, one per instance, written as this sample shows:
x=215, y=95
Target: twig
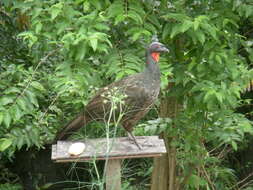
x=246, y=184
x=36, y=68
x=223, y=153
x=215, y=148
x=208, y=177
x=52, y=103
x=243, y=180
x=198, y=170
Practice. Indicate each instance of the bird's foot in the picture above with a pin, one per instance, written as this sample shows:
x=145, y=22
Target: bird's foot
x=133, y=139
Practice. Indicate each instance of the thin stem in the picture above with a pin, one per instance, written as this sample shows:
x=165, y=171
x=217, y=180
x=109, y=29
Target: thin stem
x=242, y=181
x=36, y=68
x=208, y=177
x=96, y=170
x=108, y=139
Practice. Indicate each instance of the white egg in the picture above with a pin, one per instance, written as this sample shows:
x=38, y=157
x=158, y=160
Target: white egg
x=76, y=148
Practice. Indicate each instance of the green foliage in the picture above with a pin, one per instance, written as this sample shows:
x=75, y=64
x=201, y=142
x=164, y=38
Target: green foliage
x=54, y=52
x=208, y=83
x=8, y=186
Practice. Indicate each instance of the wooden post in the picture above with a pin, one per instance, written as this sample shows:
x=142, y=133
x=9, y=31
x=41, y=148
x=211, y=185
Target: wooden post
x=113, y=175
x=122, y=148
x=165, y=166
x=159, y=180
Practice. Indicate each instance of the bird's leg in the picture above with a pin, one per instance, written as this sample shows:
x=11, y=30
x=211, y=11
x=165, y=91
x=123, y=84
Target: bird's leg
x=132, y=137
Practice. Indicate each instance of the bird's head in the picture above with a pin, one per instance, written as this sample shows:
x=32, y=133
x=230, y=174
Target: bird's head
x=155, y=48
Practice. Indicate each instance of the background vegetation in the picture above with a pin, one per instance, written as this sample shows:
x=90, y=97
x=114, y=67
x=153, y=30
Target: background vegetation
x=54, y=53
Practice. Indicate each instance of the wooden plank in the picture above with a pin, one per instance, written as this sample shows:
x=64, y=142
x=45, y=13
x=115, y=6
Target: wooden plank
x=119, y=148
x=113, y=175
x=159, y=180
x=76, y=159
x=54, y=152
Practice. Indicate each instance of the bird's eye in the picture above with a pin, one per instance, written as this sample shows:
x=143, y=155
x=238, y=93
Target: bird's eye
x=156, y=46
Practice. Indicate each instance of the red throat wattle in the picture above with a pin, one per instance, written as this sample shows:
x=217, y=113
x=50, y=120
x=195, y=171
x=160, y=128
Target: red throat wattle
x=155, y=56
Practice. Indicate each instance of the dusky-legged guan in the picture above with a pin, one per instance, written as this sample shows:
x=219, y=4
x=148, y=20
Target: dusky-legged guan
x=140, y=90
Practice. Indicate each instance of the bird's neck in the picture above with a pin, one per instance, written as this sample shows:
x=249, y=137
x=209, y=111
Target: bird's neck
x=152, y=66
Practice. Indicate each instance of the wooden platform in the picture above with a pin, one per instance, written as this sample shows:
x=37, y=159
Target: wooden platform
x=120, y=148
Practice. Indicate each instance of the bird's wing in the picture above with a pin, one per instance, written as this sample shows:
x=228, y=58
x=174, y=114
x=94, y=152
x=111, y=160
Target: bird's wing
x=140, y=100
x=136, y=96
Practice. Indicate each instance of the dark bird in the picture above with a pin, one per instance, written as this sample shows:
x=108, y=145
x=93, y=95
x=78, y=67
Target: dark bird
x=139, y=92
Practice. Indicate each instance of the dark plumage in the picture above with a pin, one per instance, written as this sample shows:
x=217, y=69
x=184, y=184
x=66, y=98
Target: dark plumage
x=140, y=90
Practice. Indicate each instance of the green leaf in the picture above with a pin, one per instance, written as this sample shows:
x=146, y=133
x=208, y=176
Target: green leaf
x=175, y=30
x=86, y=6
x=27, y=140
x=13, y=90
x=16, y=112
x=20, y=141
x=101, y=26
x=141, y=32
x=116, y=10
x=5, y=100
x=21, y=102
x=38, y=28
x=56, y=10
x=97, y=4
x=248, y=11
x=7, y=119
x=247, y=127
x=94, y=43
x=208, y=28
x=176, y=16
x=37, y=86
x=36, y=12
x=194, y=181
x=219, y=97
x=119, y=19
x=218, y=59
x=30, y=37
x=186, y=26
x=135, y=16
x=234, y=145
x=1, y=117
x=200, y=36
x=192, y=64
x=226, y=21
x=47, y=186
x=31, y=96
x=181, y=28
x=196, y=25
x=28, y=104
x=209, y=95
x=5, y=143
x=81, y=51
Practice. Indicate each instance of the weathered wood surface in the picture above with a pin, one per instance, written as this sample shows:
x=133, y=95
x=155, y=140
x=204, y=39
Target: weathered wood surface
x=113, y=175
x=159, y=180
x=119, y=148
x=54, y=151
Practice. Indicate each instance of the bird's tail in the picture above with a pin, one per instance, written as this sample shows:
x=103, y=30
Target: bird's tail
x=72, y=126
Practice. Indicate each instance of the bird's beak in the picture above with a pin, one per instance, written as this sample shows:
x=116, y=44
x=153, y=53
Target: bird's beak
x=164, y=49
